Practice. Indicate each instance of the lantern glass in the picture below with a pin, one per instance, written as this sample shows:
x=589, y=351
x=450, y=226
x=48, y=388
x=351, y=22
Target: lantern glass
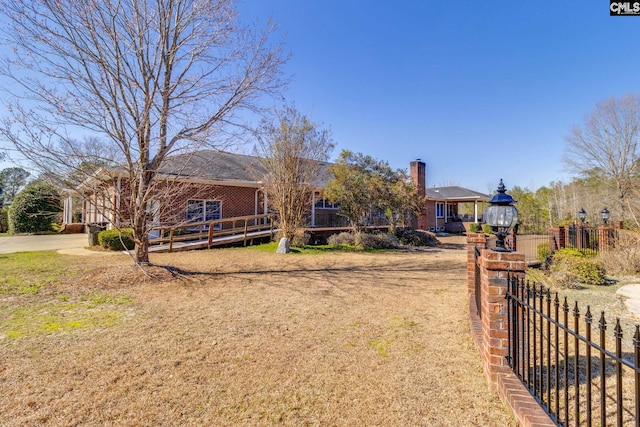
x=604, y=214
x=503, y=216
x=582, y=215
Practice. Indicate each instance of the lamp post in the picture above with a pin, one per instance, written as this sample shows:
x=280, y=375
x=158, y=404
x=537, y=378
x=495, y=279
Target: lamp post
x=501, y=216
x=604, y=214
x=582, y=215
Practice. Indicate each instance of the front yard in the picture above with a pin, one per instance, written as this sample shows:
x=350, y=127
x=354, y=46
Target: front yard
x=241, y=337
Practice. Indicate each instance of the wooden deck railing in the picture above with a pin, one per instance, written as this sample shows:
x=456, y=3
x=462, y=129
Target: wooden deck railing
x=211, y=229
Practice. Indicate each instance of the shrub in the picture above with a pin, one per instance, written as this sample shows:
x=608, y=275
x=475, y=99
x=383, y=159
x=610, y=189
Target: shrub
x=4, y=220
x=417, y=238
x=486, y=228
x=574, y=267
x=376, y=240
x=474, y=227
x=116, y=240
x=364, y=240
x=543, y=251
x=624, y=258
x=590, y=271
x=344, y=238
x=34, y=209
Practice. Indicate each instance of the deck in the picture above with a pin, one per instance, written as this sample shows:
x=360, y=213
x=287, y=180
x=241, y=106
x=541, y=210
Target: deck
x=209, y=234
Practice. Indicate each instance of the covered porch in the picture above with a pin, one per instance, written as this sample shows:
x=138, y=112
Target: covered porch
x=452, y=209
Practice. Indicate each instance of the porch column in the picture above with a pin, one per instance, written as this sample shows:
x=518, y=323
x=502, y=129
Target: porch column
x=313, y=209
x=446, y=213
x=68, y=210
x=475, y=211
x=265, y=202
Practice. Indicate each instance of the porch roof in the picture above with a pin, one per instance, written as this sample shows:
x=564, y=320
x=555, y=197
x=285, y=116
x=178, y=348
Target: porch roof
x=455, y=194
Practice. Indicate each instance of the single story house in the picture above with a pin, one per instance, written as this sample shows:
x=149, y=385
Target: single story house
x=201, y=186
x=210, y=184
x=443, y=207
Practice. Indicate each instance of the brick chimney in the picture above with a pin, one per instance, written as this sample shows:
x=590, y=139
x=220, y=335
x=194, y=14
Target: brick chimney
x=417, y=171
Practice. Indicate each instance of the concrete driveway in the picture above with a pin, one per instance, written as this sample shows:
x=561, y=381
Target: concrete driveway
x=42, y=243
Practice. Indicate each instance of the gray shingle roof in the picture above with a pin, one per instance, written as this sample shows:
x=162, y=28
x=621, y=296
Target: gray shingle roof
x=454, y=193
x=216, y=165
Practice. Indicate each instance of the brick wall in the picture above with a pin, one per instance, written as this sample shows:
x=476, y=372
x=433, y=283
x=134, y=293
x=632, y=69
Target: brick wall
x=236, y=201
x=173, y=196
x=489, y=328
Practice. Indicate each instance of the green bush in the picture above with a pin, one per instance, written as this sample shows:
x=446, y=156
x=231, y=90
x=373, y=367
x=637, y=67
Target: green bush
x=486, y=228
x=116, y=240
x=417, y=238
x=4, y=220
x=590, y=271
x=34, y=209
x=575, y=268
x=474, y=227
x=543, y=252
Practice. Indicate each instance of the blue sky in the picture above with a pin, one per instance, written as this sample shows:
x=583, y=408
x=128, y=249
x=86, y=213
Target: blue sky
x=478, y=90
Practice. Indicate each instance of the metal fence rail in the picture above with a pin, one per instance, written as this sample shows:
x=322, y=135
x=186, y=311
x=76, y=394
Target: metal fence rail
x=579, y=381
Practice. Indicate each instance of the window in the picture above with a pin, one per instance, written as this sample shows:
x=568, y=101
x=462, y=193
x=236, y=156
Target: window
x=325, y=204
x=439, y=210
x=204, y=210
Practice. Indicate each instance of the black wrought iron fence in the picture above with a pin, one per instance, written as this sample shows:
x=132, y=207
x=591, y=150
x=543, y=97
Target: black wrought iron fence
x=578, y=380
x=582, y=238
x=478, y=287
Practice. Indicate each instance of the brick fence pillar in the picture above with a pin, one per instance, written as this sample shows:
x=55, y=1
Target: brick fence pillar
x=495, y=268
x=556, y=238
x=605, y=239
x=474, y=240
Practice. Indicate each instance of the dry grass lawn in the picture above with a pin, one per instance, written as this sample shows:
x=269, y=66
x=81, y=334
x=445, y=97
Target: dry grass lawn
x=244, y=337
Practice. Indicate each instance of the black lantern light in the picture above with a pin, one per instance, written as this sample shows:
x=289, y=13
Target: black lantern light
x=582, y=215
x=604, y=214
x=501, y=216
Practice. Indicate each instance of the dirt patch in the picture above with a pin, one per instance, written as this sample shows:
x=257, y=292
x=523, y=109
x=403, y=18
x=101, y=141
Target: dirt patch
x=241, y=337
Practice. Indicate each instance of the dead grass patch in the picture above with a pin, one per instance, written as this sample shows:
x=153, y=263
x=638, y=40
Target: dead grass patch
x=242, y=337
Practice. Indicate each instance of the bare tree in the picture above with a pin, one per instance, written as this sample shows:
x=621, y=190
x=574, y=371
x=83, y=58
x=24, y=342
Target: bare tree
x=608, y=144
x=152, y=78
x=293, y=152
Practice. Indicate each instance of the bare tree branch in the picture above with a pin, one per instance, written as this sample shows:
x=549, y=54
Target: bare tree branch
x=149, y=78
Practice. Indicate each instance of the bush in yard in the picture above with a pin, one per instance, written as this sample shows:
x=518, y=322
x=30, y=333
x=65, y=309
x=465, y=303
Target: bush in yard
x=364, y=240
x=4, y=220
x=474, y=227
x=34, y=209
x=543, y=251
x=417, y=238
x=486, y=228
x=376, y=240
x=116, y=240
x=344, y=238
x=577, y=268
x=624, y=258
